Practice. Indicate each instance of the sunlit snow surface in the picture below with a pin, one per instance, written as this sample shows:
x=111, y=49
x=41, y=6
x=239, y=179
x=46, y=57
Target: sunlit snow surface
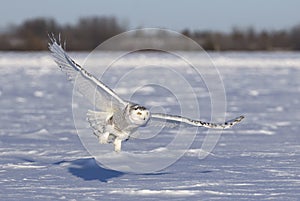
x=42, y=158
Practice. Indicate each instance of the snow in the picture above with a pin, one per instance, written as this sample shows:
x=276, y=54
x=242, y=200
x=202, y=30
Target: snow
x=42, y=157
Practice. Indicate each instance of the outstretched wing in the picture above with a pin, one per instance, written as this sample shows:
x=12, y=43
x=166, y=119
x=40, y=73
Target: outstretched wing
x=173, y=121
x=93, y=89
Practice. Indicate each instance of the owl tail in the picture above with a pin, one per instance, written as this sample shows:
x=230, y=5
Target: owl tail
x=98, y=121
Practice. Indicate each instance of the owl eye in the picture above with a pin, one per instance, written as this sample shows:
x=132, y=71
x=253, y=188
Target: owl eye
x=139, y=113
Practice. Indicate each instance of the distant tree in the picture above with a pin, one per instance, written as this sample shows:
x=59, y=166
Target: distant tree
x=5, y=43
x=281, y=40
x=89, y=32
x=238, y=38
x=264, y=41
x=186, y=32
x=33, y=33
x=251, y=39
x=295, y=38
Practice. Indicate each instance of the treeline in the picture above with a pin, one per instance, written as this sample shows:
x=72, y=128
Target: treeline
x=86, y=34
x=89, y=32
x=248, y=39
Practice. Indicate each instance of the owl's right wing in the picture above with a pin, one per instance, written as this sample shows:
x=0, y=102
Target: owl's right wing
x=93, y=89
x=174, y=121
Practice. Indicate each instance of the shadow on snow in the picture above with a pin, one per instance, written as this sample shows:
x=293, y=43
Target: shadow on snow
x=88, y=170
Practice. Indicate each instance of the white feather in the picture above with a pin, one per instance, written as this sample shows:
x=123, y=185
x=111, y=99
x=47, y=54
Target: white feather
x=89, y=86
x=177, y=120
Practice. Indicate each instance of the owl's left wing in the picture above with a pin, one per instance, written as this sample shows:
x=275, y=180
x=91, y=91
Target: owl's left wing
x=173, y=121
x=92, y=88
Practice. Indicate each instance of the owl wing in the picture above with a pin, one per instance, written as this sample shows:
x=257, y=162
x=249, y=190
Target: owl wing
x=89, y=86
x=172, y=121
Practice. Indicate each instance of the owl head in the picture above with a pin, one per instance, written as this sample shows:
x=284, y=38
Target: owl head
x=138, y=115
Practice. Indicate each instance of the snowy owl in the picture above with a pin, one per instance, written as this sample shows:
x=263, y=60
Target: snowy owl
x=116, y=119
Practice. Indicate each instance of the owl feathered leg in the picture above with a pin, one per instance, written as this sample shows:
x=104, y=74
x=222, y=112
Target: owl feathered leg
x=117, y=145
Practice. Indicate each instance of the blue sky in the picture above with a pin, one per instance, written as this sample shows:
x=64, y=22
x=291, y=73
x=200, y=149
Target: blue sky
x=177, y=15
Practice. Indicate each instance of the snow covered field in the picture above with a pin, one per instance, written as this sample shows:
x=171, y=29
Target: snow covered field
x=42, y=158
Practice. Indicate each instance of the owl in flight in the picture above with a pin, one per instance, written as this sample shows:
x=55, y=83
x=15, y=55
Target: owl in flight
x=116, y=119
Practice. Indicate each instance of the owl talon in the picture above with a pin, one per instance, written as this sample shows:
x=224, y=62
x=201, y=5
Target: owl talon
x=117, y=144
